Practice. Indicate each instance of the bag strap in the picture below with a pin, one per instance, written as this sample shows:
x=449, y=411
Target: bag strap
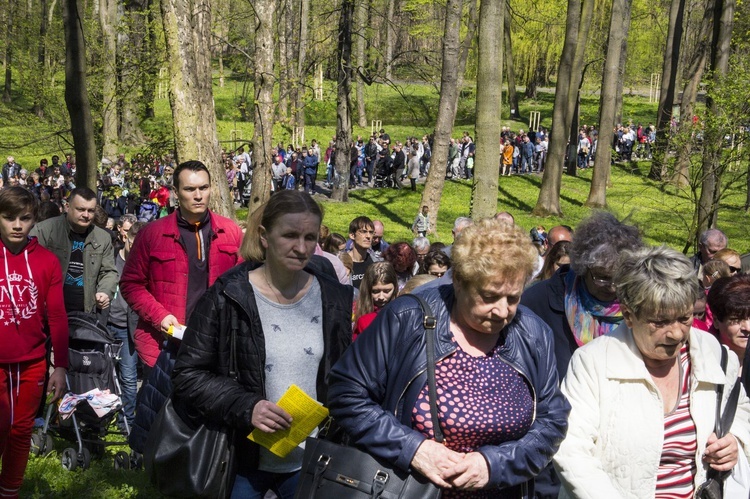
x=724, y=420
x=429, y=322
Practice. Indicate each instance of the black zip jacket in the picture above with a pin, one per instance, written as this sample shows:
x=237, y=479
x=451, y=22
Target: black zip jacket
x=202, y=389
x=374, y=387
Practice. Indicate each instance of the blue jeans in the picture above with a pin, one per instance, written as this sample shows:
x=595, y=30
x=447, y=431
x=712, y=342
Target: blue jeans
x=259, y=482
x=128, y=371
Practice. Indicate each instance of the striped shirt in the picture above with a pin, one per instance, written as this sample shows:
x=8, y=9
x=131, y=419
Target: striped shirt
x=677, y=467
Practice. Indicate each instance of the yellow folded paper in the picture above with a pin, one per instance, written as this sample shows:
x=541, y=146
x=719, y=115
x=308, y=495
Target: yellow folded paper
x=307, y=413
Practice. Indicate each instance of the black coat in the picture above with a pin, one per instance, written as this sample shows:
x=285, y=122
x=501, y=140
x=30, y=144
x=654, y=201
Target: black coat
x=202, y=388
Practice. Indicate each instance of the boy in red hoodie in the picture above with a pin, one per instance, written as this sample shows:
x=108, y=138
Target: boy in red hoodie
x=29, y=299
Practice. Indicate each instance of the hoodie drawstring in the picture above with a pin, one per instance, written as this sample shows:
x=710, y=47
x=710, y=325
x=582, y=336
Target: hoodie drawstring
x=10, y=390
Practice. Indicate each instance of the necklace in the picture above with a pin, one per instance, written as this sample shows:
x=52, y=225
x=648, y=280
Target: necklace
x=274, y=289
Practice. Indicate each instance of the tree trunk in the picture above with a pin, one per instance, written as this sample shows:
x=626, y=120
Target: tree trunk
x=343, y=104
x=668, y=83
x=623, y=60
x=694, y=75
x=607, y=104
x=574, y=46
x=110, y=117
x=537, y=78
x=41, y=70
x=9, y=42
x=282, y=113
x=515, y=113
x=302, y=69
x=449, y=88
x=263, y=115
x=390, y=39
x=489, y=102
x=77, y=97
x=151, y=75
x=711, y=167
x=361, y=38
x=574, y=97
x=187, y=36
x=131, y=58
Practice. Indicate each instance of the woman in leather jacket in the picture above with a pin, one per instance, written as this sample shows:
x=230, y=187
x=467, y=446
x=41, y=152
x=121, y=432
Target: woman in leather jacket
x=500, y=407
x=292, y=321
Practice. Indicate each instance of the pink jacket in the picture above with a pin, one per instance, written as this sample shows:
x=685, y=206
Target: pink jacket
x=154, y=281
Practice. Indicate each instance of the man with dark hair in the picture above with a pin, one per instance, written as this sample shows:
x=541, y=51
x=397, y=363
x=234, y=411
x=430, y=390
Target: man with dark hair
x=172, y=262
x=86, y=254
x=361, y=230
x=175, y=259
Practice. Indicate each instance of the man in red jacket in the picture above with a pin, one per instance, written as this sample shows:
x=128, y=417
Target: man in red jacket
x=175, y=259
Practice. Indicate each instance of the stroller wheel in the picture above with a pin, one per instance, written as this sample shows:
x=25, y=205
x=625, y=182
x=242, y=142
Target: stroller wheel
x=69, y=459
x=84, y=458
x=136, y=460
x=37, y=444
x=122, y=460
x=49, y=445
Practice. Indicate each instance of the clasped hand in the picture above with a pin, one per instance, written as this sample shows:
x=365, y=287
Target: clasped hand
x=721, y=453
x=449, y=469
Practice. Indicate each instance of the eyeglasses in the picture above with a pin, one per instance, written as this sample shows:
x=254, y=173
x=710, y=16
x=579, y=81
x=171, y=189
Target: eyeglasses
x=735, y=270
x=604, y=282
x=437, y=274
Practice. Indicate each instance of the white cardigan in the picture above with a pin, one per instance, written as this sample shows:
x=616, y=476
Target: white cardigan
x=616, y=425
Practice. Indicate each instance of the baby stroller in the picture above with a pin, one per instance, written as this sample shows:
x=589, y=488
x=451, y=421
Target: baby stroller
x=245, y=195
x=93, y=356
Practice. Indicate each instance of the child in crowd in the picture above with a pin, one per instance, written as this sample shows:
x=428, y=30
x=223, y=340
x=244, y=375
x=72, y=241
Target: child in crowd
x=421, y=225
x=379, y=286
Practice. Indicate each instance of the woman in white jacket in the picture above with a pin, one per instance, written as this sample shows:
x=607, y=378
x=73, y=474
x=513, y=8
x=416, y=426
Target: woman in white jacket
x=644, y=397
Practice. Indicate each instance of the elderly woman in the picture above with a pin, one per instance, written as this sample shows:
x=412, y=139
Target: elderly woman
x=644, y=397
x=500, y=407
x=729, y=301
x=579, y=302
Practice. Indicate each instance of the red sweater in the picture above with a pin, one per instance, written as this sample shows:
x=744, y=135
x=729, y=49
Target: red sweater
x=31, y=292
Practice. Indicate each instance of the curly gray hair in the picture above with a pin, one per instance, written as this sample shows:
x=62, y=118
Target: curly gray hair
x=598, y=242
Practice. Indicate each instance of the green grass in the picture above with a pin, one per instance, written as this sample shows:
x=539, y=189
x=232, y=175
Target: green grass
x=46, y=478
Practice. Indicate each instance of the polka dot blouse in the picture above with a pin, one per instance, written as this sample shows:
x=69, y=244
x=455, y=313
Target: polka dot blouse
x=481, y=401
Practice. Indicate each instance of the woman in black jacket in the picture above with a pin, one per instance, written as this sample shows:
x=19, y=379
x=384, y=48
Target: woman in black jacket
x=292, y=321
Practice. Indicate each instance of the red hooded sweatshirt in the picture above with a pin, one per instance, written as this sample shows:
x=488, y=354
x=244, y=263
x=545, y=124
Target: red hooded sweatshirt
x=31, y=288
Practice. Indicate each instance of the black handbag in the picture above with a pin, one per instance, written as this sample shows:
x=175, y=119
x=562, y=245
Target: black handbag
x=184, y=461
x=330, y=470
x=713, y=487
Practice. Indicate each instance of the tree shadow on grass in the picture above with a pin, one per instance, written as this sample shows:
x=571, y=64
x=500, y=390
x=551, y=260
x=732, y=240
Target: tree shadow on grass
x=536, y=181
x=629, y=167
x=512, y=201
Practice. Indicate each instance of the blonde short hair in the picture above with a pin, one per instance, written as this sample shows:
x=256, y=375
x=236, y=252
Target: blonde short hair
x=491, y=248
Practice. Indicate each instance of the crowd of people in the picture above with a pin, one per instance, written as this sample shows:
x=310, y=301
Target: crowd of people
x=574, y=361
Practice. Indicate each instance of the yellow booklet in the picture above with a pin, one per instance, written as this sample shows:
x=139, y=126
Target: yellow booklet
x=307, y=413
